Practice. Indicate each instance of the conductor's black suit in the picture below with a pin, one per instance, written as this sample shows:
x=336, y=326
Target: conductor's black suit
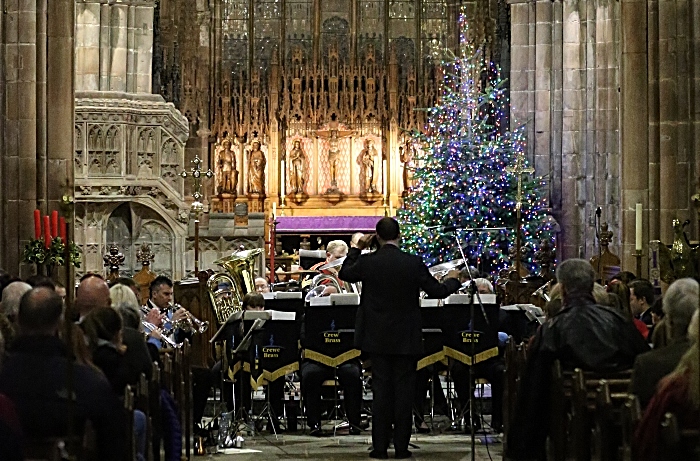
x=388, y=329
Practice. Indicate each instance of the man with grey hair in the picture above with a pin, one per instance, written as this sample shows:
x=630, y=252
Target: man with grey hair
x=680, y=302
x=583, y=335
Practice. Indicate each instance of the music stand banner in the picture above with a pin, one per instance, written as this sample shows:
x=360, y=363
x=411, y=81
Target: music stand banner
x=330, y=334
x=274, y=351
x=459, y=336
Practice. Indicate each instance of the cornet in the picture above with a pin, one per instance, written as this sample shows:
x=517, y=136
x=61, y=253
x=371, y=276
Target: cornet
x=150, y=327
x=190, y=323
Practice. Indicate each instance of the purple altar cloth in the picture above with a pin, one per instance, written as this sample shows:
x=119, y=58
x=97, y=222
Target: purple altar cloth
x=317, y=224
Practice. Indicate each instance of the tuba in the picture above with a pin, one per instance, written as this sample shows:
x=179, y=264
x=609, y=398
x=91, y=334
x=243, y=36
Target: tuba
x=226, y=289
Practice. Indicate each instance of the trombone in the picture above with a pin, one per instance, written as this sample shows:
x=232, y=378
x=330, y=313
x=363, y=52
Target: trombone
x=150, y=327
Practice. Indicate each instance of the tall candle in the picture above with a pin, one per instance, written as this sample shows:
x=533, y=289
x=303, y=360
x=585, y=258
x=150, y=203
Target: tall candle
x=47, y=232
x=37, y=224
x=384, y=178
x=283, y=182
x=62, y=229
x=54, y=223
x=638, y=227
x=391, y=209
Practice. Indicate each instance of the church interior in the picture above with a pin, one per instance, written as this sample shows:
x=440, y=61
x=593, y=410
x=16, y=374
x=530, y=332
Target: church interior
x=201, y=152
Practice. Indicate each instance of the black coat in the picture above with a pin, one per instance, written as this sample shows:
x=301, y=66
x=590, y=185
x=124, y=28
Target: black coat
x=34, y=377
x=389, y=319
x=651, y=366
x=137, y=355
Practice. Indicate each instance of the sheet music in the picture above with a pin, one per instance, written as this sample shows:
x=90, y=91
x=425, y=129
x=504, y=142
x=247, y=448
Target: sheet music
x=345, y=299
x=280, y=315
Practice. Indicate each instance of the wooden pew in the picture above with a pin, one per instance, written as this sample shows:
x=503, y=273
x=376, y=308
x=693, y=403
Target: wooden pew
x=677, y=443
x=631, y=415
x=130, y=449
x=559, y=411
x=155, y=415
x=142, y=403
x=584, y=400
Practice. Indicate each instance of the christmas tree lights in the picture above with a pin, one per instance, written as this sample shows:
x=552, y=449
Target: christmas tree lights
x=461, y=178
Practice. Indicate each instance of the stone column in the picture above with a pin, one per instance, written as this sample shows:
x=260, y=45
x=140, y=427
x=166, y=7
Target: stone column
x=144, y=47
x=105, y=47
x=634, y=125
x=60, y=90
x=118, y=47
x=19, y=166
x=87, y=46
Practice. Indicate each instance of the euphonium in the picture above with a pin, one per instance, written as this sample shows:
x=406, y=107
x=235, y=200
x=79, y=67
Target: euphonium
x=226, y=289
x=319, y=284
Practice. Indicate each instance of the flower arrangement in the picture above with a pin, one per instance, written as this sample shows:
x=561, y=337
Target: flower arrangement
x=51, y=249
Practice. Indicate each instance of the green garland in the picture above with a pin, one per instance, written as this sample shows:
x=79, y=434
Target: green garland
x=35, y=252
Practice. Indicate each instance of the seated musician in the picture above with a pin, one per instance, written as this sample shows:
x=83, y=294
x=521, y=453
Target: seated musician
x=242, y=386
x=313, y=374
x=160, y=310
x=261, y=285
x=582, y=334
x=336, y=249
x=492, y=370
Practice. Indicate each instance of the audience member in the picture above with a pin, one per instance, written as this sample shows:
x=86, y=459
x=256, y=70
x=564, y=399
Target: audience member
x=133, y=286
x=624, y=276
x=641, y=300
x=92, y=292
x=41, y=281
x=622, y=293
x=9, y=306
x=582, y=334
x=677, y=393
x=137, y=355
x=681, y=301
x=34, y=377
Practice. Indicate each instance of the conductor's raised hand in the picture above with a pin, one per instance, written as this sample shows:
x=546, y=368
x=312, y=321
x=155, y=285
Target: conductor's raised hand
x=365, y=242
x=453, y=274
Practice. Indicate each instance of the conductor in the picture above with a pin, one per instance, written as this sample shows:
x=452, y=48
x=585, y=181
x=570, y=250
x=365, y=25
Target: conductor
x=388, y=328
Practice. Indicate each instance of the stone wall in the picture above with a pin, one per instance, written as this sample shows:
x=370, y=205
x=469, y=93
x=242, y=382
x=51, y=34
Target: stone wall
x=609, y=93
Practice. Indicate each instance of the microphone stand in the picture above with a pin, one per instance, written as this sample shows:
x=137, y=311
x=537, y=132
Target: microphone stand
x=474, y=293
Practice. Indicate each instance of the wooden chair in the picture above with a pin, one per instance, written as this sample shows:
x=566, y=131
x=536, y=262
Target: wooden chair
x=631, y=415
x=142, y=403
x=186, y=392
x=677, y=443
x=166, y=379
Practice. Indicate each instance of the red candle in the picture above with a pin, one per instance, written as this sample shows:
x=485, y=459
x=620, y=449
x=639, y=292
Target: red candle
x=37, y=225
x=47, y=232
x=54, y=223
x=62, y=229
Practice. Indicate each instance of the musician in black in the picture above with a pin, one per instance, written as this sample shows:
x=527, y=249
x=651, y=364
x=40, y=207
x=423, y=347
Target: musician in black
x=388, y=328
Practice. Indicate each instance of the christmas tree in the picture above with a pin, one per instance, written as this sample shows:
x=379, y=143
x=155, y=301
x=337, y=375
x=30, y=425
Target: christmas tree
x=462, y=178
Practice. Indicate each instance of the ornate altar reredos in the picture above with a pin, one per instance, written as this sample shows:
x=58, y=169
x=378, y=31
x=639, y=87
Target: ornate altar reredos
x=328, y=95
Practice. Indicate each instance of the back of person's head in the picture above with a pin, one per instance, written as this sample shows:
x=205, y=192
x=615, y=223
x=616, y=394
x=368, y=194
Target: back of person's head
x=624, y=276
x=388, y=229
x=689, y=364
x=680, y=303
x=11, y=296
x=128, y=281
x=39, y=312
x=643, y=289
x=93, y=292
x=576, y=277
x=620, y=289
x=159, y=282
x=602, y=297
x=6, y=279
x=337, y=248
x=122, y=294
x=103, y=323
x=41, y=281
x=251, y=300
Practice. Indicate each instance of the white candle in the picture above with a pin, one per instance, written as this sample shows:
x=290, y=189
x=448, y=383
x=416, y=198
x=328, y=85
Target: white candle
x=283, y=181
x=391, y=209
x=638, y=228
x=384, y=177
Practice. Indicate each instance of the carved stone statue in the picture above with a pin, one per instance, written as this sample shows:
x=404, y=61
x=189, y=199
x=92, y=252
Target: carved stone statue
x=256, y=170
x=367, y=167
x=227, y=175
x=333, y=134
x=297, y=160
x=408, y=158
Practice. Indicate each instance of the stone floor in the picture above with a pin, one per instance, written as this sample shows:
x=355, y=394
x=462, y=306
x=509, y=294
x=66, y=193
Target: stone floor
x=291, y=447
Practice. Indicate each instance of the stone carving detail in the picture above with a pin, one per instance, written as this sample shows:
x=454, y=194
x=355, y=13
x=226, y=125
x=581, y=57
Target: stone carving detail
x=256, y=169
x=226, y=166
x=367, y=161
x=297, y=168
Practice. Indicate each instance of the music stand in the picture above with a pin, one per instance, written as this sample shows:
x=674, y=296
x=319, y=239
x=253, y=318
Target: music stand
x=330, y=333
x=433, y=345
x=273, y=354
x=229, y=332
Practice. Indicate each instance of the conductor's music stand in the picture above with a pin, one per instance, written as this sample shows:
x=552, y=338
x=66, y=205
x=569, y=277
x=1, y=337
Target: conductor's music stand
x=433, y=344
